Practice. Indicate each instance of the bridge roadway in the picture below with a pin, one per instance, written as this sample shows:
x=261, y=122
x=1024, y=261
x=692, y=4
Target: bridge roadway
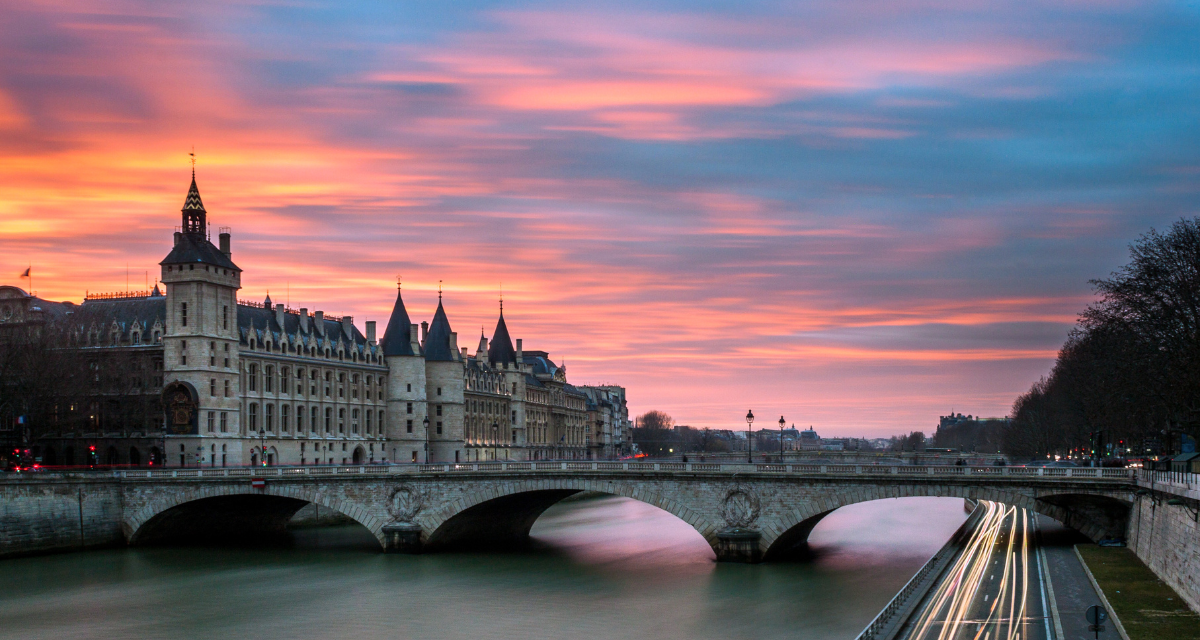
x=746, y=512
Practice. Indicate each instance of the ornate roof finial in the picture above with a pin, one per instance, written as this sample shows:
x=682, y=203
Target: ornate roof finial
x=397, y=282
x=439, y=291
x=501, y=298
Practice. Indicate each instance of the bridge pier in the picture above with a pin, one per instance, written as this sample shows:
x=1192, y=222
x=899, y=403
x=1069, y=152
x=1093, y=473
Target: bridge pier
x=736, y=544
x=402, y=537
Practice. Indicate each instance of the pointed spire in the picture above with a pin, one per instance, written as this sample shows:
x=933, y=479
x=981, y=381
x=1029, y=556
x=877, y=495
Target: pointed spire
x=501, y=349
x=397, y=339
x=194, y=215
x=437, y=341
x=267, y=303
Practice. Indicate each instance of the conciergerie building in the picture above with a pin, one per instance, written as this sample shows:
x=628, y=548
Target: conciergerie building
x=204, y=379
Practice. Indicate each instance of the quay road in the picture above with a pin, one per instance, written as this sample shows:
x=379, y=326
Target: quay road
x=994, y=589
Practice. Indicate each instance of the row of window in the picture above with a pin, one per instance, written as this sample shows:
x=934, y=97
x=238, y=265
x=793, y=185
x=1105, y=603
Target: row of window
x=315, y=419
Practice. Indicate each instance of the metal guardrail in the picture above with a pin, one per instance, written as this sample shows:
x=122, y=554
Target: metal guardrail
x=901, y=600
x=1161, y=479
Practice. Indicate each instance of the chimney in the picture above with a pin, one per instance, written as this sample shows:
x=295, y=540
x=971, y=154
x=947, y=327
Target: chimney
x=412, y=339
x=319, y=321
x=371, y=331
x=454, y=342
x=225, y=243
x=279, y=316
x=178, y=235
x=465, y=355
x=304, y=320
x=348, y=328
x=424, y=332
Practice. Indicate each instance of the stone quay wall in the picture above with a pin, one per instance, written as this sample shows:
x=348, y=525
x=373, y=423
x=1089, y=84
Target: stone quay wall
x=1167, y=537
x=59, y=515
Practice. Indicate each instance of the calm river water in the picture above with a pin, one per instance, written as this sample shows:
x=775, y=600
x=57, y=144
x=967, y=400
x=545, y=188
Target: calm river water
x=606, y=568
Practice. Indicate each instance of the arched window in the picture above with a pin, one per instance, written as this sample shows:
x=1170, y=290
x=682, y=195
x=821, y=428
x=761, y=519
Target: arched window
x=252, y=377
x=253, y=416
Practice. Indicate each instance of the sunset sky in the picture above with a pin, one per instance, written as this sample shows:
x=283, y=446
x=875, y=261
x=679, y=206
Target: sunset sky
x=859, y=215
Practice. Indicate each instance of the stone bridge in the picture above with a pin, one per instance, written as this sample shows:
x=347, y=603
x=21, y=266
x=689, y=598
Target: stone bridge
x=746, y=512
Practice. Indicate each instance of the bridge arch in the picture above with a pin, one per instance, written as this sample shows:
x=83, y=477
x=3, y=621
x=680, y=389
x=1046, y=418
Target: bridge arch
x=273, y=506
x=1096, y=514
x=502, y=514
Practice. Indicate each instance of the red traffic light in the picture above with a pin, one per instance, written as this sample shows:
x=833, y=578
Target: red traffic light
x=93, y=448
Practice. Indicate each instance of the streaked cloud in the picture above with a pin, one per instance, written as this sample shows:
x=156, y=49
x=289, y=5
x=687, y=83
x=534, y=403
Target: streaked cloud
x=858, y=214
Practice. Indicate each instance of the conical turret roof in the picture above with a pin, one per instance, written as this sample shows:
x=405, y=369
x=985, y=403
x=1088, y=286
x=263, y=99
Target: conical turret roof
x=397, y=340
x=501, y=349
x=437, y=341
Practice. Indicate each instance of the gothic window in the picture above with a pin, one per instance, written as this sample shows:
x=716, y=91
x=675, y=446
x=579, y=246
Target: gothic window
x=212, y=387
x=270, y=417
x=226, y=388
x=299, y=418
x=268, y=373
x=312, y=423
x=439, y=409
x=354, y=421
x=252, y=378
x=328, y=420
x=225, y=317
x=410, y=407
x=253, y=416
x=183, y=314
x=283, y=418
x=224, y=424
x=211, y=421
x=341, y=421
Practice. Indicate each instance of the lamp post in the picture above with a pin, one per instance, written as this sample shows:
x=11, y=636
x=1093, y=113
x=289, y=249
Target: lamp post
x=495, y=440
x=782, y=424
x=425, y=422
x=749, y=440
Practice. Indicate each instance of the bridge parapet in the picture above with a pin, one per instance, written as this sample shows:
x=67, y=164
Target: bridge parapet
x=1164, y=481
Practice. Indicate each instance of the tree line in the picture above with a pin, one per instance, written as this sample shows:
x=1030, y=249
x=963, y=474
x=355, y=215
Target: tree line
x=1129, y=372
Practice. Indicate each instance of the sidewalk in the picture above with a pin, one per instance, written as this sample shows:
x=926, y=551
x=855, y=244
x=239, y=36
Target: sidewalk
x=1073, y=592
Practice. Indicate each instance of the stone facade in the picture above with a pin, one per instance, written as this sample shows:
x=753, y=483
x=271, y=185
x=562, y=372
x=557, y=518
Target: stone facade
x=226, y=382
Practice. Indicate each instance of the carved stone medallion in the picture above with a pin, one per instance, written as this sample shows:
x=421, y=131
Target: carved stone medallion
x=404, y=503
x=740, y=508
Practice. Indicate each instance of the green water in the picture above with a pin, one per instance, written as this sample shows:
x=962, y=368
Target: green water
x=606, y=568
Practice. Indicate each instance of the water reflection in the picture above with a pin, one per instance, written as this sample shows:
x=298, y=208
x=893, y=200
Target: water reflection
x=606, y=568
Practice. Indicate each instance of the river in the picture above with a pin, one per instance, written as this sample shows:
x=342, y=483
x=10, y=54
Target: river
x=603, y=568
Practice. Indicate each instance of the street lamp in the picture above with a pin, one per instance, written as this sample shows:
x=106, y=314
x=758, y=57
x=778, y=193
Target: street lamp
x=782, y=424
x=426, y=423
x=749, y=440
x=495, y=440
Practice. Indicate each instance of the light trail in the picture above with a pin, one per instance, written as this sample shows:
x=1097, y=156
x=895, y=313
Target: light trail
x=980, y=597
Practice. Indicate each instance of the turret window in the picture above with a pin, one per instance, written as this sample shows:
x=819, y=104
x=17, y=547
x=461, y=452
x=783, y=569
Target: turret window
x=183, y=314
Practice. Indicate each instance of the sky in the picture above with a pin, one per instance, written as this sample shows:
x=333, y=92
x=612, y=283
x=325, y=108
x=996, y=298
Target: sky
x=857, y=215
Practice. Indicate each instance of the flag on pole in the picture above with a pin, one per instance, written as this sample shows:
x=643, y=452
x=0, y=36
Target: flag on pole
x=26, y=274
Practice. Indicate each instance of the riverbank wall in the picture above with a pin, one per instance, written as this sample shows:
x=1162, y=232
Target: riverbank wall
x=1167, y=536
x=49, y=517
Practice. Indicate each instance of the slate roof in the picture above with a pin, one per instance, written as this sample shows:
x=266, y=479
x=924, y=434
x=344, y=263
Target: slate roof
x=397, y=339
x=127, y=313
x=437, y=341
x=260, y=322
x=195, y=248
x=501, y=348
